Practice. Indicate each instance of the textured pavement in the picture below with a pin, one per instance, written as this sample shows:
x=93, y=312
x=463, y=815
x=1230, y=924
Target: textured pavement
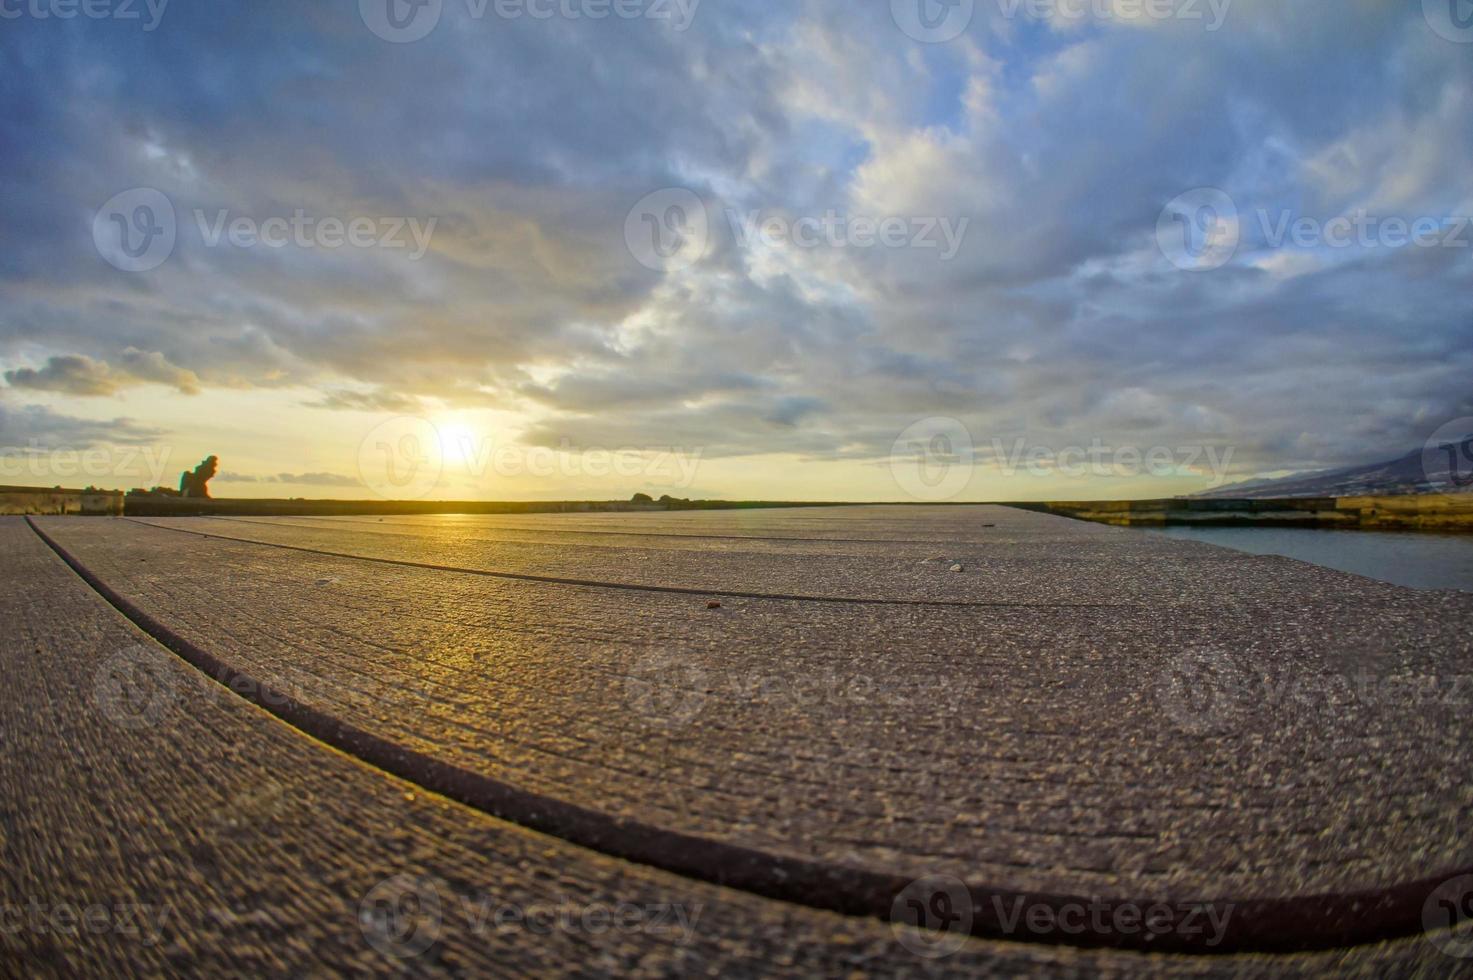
x=1123, y=717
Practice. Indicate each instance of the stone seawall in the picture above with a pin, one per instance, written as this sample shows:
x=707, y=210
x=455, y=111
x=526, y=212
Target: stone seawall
x=39, y=500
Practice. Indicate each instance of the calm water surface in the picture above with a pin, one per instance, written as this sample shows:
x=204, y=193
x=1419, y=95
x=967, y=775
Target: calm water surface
x=1421, y=561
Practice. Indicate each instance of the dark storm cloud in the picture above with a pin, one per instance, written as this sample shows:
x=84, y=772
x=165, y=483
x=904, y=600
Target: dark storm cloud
x=70, y=375
x=75, y=374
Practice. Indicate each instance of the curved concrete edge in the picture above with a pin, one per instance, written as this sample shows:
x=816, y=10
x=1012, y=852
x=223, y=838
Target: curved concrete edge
x=1273, y=925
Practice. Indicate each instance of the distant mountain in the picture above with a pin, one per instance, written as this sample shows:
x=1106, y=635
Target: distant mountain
x=1416, y=472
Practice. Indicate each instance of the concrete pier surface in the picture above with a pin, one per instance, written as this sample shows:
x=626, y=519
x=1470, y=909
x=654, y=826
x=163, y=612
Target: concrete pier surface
x=1063, y=748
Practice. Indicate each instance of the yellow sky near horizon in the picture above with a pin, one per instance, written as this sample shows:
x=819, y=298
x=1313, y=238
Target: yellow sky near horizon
x=272, y=445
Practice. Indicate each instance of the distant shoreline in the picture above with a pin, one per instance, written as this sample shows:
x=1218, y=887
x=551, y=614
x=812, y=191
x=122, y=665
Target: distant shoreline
x=1403, y=512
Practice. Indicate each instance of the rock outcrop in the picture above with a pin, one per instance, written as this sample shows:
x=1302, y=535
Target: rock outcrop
x=196, y=483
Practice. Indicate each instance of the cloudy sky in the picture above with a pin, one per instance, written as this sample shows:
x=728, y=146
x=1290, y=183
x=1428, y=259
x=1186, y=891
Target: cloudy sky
x=990, y=249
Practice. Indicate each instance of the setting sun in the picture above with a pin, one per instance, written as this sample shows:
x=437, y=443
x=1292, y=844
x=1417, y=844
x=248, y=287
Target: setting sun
x=459, y=442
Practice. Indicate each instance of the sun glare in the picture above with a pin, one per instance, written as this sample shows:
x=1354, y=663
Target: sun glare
x=457, y=442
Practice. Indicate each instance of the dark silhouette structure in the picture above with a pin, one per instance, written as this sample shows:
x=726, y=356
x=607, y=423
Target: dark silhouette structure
x=196, y=483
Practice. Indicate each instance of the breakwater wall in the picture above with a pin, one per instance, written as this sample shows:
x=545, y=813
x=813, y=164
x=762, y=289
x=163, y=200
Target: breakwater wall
x=56, y=500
